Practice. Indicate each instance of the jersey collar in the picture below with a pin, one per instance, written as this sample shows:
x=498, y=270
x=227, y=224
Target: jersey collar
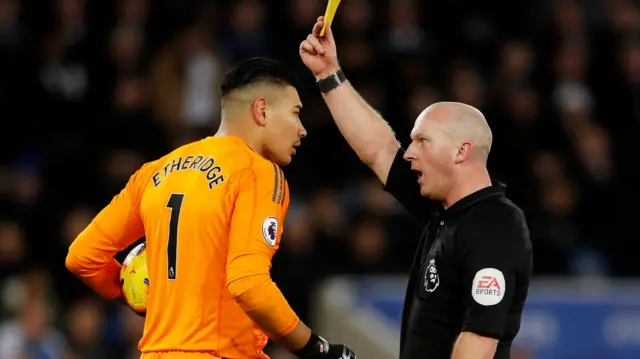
x=496, y=189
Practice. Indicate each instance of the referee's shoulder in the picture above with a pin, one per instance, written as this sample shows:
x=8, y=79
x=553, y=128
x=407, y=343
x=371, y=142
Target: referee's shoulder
x=500, y=220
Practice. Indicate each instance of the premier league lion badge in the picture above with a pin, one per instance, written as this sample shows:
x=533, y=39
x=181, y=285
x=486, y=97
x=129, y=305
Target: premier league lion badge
x=431, y=278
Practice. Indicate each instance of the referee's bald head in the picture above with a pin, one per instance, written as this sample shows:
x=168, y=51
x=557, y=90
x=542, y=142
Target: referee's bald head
x=463, y=124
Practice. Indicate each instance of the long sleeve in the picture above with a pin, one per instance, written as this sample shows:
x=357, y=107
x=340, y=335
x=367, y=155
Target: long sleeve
x=118, y=225
x=256, y=230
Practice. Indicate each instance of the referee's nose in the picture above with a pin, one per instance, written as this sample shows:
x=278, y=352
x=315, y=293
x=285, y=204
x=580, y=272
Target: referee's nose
x=409, y=154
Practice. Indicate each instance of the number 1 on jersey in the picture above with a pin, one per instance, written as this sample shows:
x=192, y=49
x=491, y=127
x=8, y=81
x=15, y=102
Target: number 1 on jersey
x=175, y=204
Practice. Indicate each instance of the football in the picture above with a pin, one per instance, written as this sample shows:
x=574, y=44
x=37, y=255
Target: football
x=134, y=279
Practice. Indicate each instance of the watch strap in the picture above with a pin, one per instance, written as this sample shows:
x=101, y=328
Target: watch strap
x=332, y=81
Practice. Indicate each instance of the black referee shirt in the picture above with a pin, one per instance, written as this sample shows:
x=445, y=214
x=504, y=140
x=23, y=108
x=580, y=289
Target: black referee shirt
x=471, y=269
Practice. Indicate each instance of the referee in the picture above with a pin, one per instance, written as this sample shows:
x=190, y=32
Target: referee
x=470, y=276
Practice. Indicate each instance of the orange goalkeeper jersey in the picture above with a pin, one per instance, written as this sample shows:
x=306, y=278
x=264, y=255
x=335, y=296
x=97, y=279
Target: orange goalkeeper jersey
x=212, y=212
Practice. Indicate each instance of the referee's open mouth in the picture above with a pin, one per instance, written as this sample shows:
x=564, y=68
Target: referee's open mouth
x=419, y=173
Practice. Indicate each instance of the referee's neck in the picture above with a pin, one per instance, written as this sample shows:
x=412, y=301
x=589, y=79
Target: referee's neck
x=467, y=184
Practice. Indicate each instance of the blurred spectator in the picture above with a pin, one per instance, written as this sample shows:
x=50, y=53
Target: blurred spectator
x=10, y=27
x=61, y=76
x=133, y=326
x=31, y=336
x=296, y=265
x=133, y=12
x=84, y=325
x=405, y=34
x=77, y=220
x=303, y=12
x=420, y=98
x=184, y=81
x=356, y=17
x=11, y=245
x=467, y=86
x=71, y=18
x=624, y=15
x=516, y=64
x=368, y=246
x=249, y=34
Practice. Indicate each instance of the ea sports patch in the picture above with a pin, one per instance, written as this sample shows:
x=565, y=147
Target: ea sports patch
x=270, y=230
x=488, y=287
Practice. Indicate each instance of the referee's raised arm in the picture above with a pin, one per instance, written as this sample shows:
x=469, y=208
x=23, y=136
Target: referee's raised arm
x=364, y=129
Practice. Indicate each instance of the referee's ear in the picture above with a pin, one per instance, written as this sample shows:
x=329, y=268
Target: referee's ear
x=464, y=152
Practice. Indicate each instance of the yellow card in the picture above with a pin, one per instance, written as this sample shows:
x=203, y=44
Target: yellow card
x=332, y=7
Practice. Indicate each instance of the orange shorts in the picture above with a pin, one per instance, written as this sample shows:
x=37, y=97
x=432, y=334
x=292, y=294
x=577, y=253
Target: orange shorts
x=178, y=355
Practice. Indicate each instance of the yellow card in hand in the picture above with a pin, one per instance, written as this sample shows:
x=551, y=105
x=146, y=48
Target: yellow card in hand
x=332, y=7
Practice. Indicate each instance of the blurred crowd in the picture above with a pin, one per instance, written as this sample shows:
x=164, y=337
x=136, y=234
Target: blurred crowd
x=90, y=90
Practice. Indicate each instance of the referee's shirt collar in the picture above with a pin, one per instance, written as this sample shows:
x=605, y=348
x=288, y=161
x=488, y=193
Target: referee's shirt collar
x=496, y=189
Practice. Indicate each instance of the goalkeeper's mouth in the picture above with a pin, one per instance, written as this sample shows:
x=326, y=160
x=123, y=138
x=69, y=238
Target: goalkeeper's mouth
x=294, y=148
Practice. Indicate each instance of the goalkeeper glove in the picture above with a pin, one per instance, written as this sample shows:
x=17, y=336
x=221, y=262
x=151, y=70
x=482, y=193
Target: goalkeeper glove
x=318, y=348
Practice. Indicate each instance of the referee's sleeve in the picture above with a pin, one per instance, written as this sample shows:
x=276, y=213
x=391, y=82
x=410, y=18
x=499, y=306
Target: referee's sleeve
x=492, y=256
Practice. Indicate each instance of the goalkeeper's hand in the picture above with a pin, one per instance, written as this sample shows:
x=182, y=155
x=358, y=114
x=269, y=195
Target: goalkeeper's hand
x=318, y=348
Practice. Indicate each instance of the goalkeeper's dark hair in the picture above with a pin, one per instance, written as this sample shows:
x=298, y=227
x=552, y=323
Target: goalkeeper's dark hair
x=257, y=70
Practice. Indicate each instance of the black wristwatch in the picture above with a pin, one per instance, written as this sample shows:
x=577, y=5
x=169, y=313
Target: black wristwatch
x=332, y=81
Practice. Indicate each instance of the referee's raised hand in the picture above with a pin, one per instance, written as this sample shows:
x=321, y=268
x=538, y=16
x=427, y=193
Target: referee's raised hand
x=319, y=53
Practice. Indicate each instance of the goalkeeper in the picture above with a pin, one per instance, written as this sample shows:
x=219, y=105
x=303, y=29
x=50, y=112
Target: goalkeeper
x=212, y=214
